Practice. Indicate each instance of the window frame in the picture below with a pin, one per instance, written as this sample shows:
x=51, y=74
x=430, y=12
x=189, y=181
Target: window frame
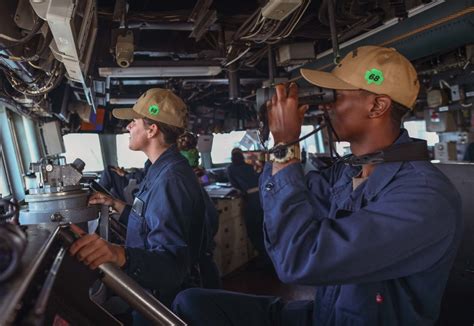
x=3, y=168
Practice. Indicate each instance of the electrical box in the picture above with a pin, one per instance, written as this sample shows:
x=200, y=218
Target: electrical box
x=445, y=151
x=295, y=53
x=204, y=144
x=51, y=138
x=436, y=98
x=280, y=9
x=439, y=121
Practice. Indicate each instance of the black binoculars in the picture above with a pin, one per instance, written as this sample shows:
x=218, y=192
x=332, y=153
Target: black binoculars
x=313, y=96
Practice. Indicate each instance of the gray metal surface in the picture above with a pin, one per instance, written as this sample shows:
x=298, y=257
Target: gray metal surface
x=128, y=289
x=138, y=298
x=76, y=215
x=457, y=305
x=53, y=207
x=40, y=241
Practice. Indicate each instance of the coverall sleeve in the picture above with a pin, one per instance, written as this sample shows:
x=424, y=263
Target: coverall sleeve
x=170, y=217
x=405, y=231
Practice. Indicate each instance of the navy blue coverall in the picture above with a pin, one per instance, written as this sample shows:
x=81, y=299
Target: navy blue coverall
x=379, y=254
x=165, y=227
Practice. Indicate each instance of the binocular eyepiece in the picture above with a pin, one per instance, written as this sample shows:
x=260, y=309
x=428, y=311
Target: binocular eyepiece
x=312, y=96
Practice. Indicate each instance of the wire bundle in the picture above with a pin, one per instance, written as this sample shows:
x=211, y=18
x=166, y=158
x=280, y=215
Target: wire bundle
x=258, y=29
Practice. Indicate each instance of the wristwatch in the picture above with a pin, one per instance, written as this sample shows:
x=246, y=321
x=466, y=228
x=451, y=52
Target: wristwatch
x=282, y=153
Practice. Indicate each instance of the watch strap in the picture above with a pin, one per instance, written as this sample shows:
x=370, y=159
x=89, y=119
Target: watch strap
x=292, y=152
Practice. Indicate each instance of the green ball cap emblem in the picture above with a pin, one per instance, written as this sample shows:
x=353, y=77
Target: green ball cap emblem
x=374, y=76
x=154, y=109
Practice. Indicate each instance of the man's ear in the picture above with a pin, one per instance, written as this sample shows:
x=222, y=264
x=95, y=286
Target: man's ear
x=382, y=104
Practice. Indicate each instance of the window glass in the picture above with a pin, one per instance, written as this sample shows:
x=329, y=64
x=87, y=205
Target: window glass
x=4, y=187
x=126, y=157
x=343, y=148
x=417, y=129
x=309, y=144
x=87, y=148
x=222, y=145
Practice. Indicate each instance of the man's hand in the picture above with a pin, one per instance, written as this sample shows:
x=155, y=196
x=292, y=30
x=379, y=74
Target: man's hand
x=284, y=116
x=93, y=251
x=103, y=199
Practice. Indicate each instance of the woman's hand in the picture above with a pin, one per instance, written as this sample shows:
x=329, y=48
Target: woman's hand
x=93, y=251
x=103, y=199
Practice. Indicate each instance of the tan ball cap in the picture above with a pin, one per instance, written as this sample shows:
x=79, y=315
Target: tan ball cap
x=157, y=104
x=376, y=69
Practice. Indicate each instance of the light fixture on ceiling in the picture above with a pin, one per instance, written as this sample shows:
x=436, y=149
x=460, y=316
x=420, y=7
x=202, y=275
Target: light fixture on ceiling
x=175, y=71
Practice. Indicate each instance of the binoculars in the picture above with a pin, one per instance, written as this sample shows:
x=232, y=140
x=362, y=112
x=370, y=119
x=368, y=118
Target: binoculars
x=313, y=96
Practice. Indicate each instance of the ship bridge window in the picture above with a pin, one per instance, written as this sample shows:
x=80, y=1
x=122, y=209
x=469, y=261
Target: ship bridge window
x=309, y=144
x=417, y=129
x=223, y=144
x=4, y=187
x=127, y=158
x=87, y=148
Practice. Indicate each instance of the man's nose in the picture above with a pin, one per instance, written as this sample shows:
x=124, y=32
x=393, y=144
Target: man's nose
x=325, y=106
x=129, y=125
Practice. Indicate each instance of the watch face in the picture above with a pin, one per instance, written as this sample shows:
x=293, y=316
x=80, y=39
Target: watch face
x=280, y=151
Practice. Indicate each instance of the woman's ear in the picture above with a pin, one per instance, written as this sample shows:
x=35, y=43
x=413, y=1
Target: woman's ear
x=152, y=130
x=382, y=104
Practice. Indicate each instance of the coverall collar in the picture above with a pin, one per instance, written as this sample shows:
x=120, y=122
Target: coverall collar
x=380, y=177
x=168, y=156
x=384, y=173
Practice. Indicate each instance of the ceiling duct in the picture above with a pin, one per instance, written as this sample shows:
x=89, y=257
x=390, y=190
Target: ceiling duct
x=427, y=29
x=234, y=82
x=74, y=28
x=203, y=19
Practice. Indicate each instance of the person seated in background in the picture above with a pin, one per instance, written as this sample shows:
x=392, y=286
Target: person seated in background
x=243, y=177
x=469, y=153
x=210, y=278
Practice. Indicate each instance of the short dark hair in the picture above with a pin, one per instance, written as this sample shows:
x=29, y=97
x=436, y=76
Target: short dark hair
x=397, y=111
x=170, y=133
x=237, y=157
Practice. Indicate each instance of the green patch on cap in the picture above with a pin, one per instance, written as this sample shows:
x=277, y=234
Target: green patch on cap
x=374, y=76
x=153, y=109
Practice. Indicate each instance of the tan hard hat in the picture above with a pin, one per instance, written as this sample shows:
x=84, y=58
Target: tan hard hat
x=376, y=69
x=157, y=104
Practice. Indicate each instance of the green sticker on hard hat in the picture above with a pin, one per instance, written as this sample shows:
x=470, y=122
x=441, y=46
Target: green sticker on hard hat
x=154, y=109
x=374, y=76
